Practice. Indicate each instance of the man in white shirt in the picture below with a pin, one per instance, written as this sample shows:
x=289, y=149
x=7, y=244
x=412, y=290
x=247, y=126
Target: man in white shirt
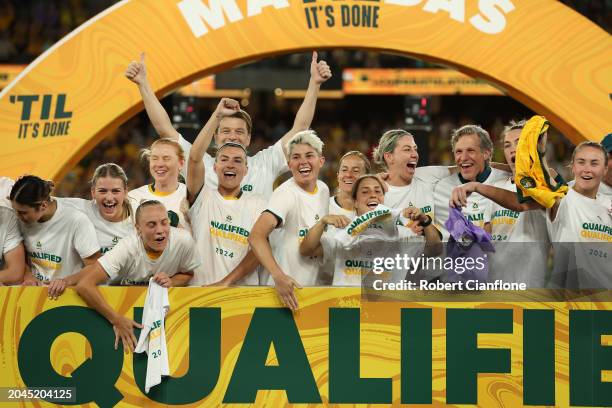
x=517, y=235
x=472, y=148
x=157, y=250
x=295, y=206
x=222, y=217
x=231, y=124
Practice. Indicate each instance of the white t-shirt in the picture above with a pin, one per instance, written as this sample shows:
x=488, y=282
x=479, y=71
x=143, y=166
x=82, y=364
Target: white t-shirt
x=503, y=220
x=586, y=225
x=6, y=184
x=108, y=233
x=10, y=237
x=477, y=209
x=352, y=265
x=604, y=191
x=326, y=271
x=335, y=209
x=298, y=211
x=518, y=236
x=56, y=248
x=176, y=202
x=264, y=167
x=417, y=194
x=128, y=262
x=431, y=174
x=221, y=228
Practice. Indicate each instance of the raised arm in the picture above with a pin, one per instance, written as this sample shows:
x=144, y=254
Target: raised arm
x=195, y=168
x=319, y=73
x=258, y=239
x=137, y=73
x=87, y=288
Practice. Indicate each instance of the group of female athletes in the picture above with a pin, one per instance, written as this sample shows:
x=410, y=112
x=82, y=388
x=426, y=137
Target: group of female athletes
x=207, y=220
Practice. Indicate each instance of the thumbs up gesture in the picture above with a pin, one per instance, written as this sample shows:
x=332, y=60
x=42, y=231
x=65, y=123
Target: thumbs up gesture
x=136, y=71
x=319, y=70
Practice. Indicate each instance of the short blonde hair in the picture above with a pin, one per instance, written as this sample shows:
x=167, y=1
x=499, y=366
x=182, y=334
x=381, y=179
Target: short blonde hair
x=308, y=137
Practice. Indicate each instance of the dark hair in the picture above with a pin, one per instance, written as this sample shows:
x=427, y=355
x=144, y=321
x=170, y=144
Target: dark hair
x=31, y=191
x=360, y=180
x=144, y=204
x=240, y=115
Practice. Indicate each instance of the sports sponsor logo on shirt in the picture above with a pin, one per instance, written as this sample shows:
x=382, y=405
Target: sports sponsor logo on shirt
x=302, y=234
x=247, y=187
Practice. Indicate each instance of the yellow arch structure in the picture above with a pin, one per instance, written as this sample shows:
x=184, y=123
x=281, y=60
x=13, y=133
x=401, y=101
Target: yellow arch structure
x=539, y=52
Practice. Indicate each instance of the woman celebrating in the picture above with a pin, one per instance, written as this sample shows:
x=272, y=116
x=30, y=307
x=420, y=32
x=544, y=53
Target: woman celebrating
x=353, y=165
x=166, y=159
x=109, y=209
x=58, y=241
x=352, y=265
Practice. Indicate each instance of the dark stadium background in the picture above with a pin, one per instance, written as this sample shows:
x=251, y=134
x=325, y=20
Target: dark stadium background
x=29, y=27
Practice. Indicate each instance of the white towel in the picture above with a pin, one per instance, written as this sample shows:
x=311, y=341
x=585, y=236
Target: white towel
x=153, y=335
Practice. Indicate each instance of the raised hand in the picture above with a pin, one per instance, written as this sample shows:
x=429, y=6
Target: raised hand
x=227, y=107
x=136, y=71
x=319, y=71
